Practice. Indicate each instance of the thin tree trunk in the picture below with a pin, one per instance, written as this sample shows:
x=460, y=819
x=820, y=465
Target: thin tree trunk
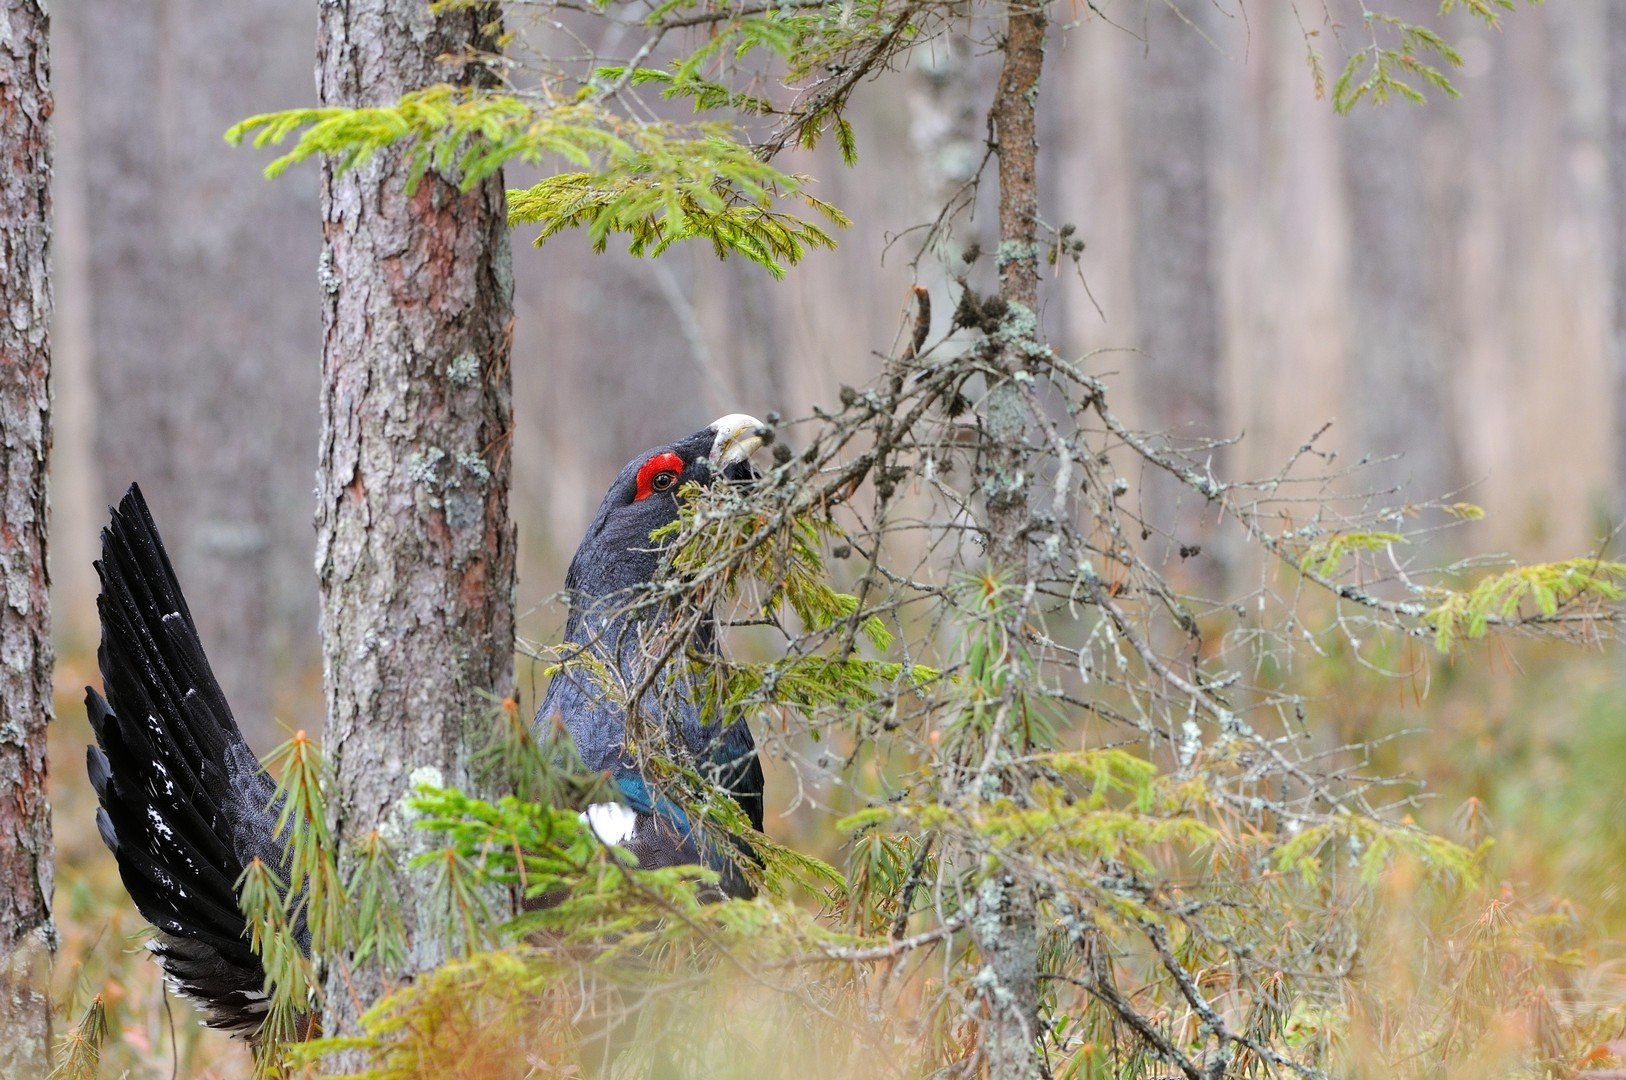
x=1006, y=925
x=1171, y=92
x=1017, y=146
x=27, y=936
x=415, y=551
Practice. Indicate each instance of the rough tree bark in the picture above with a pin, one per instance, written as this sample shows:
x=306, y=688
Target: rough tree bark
x=199, y=313
x=1006, y=925
x=1170, y=94
x=415, y=551
x=27, y=936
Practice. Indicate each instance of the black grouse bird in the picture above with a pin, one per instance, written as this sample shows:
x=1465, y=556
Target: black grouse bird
x=185, y=805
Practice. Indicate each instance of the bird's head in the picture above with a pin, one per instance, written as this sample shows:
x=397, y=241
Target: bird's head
x=617, y=554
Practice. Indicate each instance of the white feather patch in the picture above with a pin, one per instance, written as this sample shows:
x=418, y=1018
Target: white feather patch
x=611, y=822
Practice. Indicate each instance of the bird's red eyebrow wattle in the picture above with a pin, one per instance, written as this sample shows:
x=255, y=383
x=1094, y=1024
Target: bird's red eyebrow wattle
x=664, y=462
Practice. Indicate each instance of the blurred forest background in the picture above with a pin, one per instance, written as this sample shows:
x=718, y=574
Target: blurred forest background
x=1440, y=282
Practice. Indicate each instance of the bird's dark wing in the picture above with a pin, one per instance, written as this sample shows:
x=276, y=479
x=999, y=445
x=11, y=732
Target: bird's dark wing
x=185, y=805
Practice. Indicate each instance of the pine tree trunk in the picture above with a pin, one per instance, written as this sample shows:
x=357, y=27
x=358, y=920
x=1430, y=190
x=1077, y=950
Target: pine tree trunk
x=27, y=936
x=1005, y=926
x=1170, y=93
x=415, y=552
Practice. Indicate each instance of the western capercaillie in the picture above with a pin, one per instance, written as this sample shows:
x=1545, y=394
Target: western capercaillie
x=185, y=805
x=615, y=621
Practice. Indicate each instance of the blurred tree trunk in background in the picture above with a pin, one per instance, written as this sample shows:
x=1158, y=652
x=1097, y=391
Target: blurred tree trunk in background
x=202, y=328
x=948, y=134
x=415, y=551
x=1171, y=91
x=1616, y=36
x=739, y=298
x=1395, y=364
x=27, y=936
x=947, y=128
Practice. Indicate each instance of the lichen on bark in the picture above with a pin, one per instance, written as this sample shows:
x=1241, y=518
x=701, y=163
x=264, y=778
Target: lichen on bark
x=1005, y=927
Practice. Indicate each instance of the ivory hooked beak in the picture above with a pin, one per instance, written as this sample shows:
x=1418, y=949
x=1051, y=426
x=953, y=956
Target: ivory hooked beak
x=736, y=440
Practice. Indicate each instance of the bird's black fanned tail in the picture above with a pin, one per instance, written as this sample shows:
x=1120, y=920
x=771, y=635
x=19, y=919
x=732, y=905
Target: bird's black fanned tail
x=184, y=803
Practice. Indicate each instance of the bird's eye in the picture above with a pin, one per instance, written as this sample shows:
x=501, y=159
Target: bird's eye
x=659, y=473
